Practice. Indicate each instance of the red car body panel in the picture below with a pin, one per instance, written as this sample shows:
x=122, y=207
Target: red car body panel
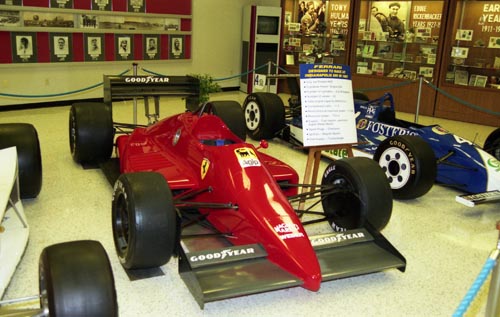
x=199, y=152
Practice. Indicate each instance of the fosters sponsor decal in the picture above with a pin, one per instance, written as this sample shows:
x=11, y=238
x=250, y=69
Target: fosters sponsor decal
x=288, y=231
x=246, y=156
x=382, y=128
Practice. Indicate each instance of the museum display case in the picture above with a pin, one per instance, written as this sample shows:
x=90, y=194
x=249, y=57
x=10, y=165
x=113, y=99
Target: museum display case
x=395, y=43
x=471, y=63
x=398, y=39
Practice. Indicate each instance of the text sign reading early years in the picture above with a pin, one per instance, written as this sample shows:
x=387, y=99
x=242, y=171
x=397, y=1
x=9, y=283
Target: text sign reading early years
x=327, y=105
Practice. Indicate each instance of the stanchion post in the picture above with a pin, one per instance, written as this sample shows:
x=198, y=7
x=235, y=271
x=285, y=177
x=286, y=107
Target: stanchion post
x=420, y=80
x=134, y=67
x=268, y=83
x=492, y=306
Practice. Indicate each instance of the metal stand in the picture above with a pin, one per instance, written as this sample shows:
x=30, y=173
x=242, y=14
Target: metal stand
x=134, y=67
x=312, y=166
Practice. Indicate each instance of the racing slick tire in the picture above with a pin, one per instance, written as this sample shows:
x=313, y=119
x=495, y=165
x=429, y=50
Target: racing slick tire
x=360, y=96
x=264, y=115
x=492, y=144
x=76, y=279
x=144, y=220
x=25, y=138
x=90, y=132
x=231, y=113
x=409, y=163
x=360, y=194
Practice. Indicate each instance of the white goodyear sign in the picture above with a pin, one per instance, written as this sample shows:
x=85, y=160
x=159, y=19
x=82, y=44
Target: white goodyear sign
x=246, y=157
x=328, y=116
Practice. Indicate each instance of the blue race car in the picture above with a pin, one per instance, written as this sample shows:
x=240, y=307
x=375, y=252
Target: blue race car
x=413, y=156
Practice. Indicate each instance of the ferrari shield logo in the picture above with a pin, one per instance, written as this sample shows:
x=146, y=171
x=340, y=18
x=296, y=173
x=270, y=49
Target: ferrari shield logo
x=205, y=164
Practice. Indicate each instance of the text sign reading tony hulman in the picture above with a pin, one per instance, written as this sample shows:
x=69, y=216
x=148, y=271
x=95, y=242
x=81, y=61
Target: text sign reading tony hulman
x=327, y=105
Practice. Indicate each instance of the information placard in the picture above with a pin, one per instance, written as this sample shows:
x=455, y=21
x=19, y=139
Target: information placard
x=327, y=105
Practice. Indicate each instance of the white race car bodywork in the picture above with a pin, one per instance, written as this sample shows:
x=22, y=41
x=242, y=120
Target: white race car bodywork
x=14, y=229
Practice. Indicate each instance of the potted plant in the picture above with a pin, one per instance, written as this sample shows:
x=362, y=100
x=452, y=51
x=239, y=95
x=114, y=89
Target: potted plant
x=207, y=86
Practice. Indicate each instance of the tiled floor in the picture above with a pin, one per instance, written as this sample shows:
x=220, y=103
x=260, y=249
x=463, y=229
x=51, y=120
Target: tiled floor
x=445, y=243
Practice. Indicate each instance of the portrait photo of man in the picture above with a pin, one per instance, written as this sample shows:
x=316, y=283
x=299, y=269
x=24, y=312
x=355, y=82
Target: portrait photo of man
x=94, y=47
x=24, y=47
x=391, y=18
x=60, y=47
x=176, y=47
x=123, y=47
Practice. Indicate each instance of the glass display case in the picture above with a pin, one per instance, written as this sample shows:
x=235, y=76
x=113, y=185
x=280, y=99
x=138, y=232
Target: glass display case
x=473, y=57
x=398, y=39
x=315, y=32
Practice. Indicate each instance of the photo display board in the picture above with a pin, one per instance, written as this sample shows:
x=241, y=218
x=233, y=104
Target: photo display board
x=94, y=30
x=327, y=105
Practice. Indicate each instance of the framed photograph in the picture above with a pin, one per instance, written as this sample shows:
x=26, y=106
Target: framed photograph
x=88, y=21
x=295, y=41
x=494, y=42
x=362, y=68
x=408, y=74
x=151, y=46
x=496, y=63
x=427, y=72
x=123, y=44
x=423, y=32
x=459, y=52
x=431, y=59
x=293, y=27
x=102, y=5
x=461, y=77
x=60, y=45
x=176, y=47
x=68, y=4
x=43, y=19
x=472, y=80
x=378, y=68
x=337, y=45
x=290, y=59
x=464, y=35
x=23, y=47
x=10, y=18
x=136, y=6
x=327, y=60
x=368, y=51
x=172, y=24
x=94, y=47
x=11, y=2
x=307, y=48
x=288, y=17
x=481, y=81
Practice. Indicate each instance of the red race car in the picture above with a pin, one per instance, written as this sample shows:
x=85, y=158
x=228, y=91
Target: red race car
x=189, y=186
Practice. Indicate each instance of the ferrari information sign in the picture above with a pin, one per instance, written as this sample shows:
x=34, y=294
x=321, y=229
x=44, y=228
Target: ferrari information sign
x=327, y=105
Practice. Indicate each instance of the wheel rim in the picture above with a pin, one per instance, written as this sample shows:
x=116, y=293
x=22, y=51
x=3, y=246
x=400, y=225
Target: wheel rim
x=252, y=116
x=343, y=213
x=396, y=166
x=121, y=226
